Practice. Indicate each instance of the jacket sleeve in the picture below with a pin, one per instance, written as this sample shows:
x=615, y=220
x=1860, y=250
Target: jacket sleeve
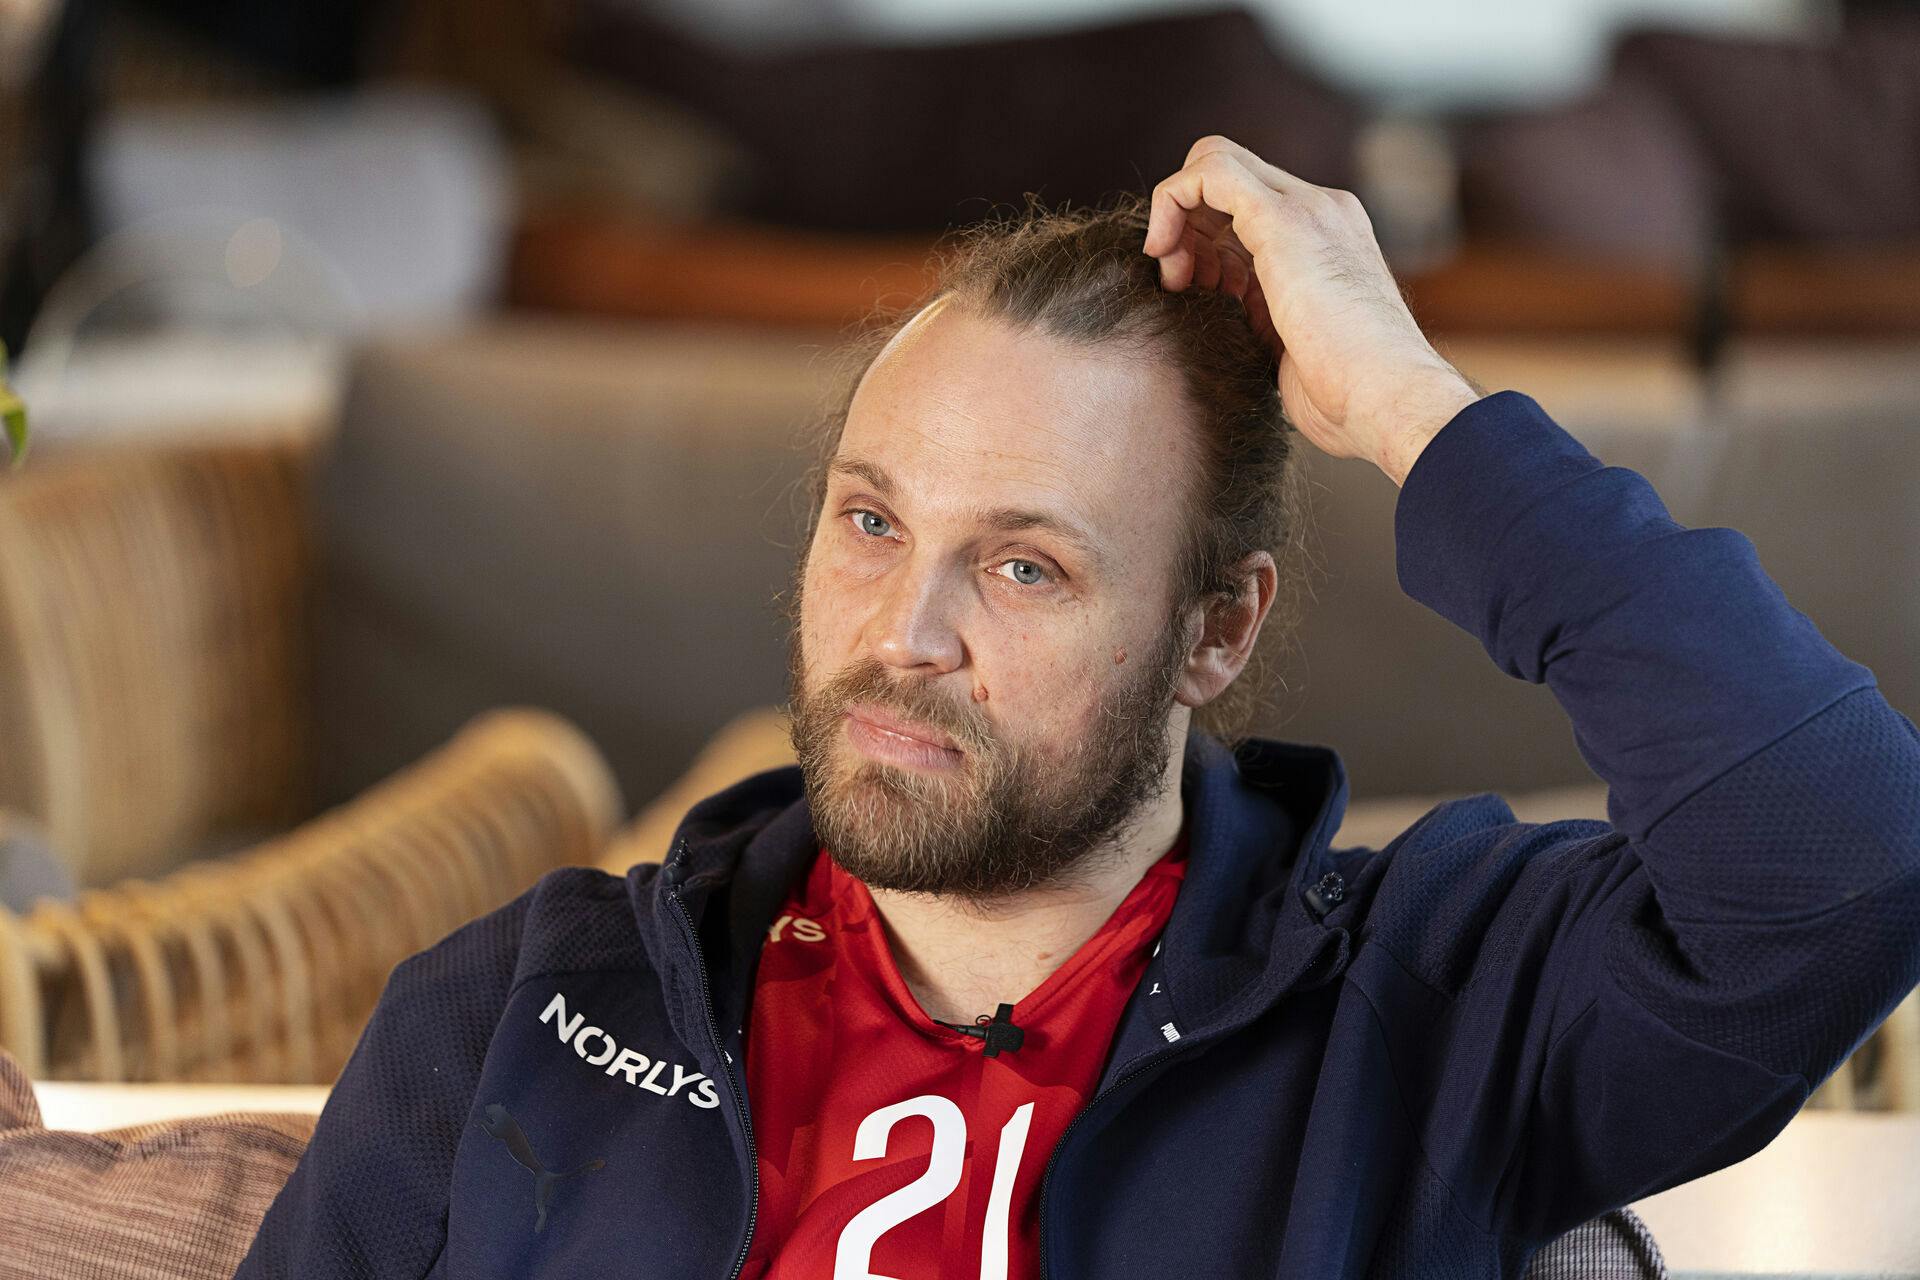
x=369, y=1196
x=1655, y=1002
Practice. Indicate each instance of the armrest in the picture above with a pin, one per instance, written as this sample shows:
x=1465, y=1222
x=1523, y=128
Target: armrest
x=265, y=967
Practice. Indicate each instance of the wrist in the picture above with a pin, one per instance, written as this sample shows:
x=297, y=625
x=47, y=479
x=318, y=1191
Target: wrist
x=1413, y=414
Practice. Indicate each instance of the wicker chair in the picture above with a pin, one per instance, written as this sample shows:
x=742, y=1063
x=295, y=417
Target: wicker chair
x=153, y=677
x=1883, y=1075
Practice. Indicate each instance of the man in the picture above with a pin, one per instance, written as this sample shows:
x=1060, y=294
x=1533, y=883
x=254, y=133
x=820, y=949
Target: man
x=1022, y=973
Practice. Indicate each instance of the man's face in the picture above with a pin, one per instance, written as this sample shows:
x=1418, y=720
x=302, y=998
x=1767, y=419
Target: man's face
x=983, y=666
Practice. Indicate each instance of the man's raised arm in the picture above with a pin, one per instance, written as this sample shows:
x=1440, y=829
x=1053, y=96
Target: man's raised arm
x=1653, y=1003
x=1670, y=1002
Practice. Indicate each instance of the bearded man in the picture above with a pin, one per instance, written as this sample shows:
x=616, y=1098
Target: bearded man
x=1024, y=972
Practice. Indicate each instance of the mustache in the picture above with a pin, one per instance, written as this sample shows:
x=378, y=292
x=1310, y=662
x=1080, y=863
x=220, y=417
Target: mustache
x=912, y=698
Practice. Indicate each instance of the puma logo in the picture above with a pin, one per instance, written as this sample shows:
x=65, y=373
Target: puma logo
x=501, y=1124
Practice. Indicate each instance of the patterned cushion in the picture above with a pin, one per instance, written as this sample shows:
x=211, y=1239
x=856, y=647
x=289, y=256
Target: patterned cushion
x=174, y=1200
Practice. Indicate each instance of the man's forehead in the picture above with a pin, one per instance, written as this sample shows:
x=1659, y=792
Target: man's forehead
x=1022, y=429
x=986, y=398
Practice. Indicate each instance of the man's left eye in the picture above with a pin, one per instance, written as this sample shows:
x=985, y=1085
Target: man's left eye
x=1024, y=572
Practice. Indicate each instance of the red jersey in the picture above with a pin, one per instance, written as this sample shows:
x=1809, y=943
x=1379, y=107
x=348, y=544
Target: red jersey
x=889, y=1143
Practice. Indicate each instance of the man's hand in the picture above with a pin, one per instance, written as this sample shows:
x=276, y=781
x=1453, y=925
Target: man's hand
x=1357, y=376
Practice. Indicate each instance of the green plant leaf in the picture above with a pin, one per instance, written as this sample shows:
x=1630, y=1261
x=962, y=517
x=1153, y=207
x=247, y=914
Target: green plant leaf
x=13, y=414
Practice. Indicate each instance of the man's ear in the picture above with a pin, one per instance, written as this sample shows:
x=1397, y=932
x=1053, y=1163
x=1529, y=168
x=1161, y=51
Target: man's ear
x=1228, y=632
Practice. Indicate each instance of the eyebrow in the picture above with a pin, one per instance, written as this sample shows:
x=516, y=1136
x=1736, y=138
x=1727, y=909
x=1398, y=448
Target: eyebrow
x=1005, y=519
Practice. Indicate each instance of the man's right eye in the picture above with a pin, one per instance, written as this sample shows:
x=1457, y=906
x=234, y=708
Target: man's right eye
x=869, y=523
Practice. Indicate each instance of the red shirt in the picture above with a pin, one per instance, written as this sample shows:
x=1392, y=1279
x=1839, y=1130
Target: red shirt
x=889, y=1144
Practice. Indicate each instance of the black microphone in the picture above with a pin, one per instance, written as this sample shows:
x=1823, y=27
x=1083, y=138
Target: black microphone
x=999, y=1032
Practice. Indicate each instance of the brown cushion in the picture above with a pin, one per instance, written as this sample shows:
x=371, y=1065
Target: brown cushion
x=173, y=1200
x=1618, y=175
x=1807, y=139
x=862, y=137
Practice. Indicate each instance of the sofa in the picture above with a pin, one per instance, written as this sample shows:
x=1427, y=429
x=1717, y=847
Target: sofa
x=600, y=518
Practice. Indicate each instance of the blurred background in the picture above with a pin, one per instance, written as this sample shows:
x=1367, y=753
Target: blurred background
x=416, y=387
x=416, y=384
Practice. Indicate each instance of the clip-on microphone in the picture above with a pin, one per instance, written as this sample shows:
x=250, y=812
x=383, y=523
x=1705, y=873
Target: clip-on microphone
x=999, y=1033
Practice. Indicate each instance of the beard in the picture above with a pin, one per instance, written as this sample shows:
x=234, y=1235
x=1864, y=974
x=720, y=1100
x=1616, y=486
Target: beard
x=1007, y=818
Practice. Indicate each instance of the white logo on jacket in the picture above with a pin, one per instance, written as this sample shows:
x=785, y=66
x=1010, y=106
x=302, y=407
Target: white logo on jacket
x=627, y=1062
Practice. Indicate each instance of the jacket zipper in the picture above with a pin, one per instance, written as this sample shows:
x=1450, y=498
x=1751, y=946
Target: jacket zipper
x=1140, y=1067
x=733, y=1091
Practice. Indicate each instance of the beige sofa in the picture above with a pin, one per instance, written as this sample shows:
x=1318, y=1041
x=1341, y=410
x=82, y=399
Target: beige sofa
x=597, y=518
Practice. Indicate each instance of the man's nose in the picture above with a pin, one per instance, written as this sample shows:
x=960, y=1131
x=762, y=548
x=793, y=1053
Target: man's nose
x=914, y=625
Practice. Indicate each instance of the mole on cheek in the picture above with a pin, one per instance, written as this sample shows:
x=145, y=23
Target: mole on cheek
x=1119, y=655
x=979, y=693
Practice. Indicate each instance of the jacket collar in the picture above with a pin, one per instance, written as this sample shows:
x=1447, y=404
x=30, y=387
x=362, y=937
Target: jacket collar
x=1259, y=822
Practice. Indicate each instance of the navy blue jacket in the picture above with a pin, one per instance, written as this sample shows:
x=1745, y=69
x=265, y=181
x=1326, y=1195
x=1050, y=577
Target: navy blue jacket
x=1426, y=1059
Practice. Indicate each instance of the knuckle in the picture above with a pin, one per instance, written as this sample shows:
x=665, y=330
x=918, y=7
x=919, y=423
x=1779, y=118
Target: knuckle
x=1215, y=163
x=1210, y=144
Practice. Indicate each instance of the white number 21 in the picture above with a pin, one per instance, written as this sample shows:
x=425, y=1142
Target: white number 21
x=854, y=1258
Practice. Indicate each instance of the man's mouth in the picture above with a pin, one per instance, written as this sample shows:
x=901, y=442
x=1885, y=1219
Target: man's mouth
x=889, y=723
x=888, y=737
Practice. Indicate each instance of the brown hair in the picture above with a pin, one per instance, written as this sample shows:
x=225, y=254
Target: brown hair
x=1080, y=275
